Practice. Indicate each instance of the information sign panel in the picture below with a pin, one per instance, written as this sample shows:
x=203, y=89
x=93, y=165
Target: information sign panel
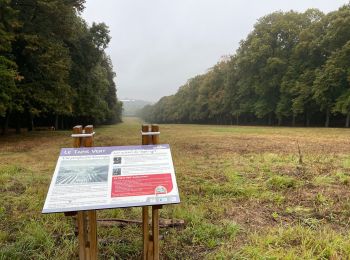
x=112, y=177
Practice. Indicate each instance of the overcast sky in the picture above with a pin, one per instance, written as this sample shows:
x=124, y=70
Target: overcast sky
x=157, y=45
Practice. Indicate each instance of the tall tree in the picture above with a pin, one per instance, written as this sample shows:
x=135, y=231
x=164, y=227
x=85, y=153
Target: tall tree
x=332, y=84
x=292, y=66
x=52, y=65
x=8, y=68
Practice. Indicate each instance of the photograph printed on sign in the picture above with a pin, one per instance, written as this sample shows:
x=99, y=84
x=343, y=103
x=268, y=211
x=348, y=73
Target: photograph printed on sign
x=117, y=160
x=82, y=171
x=117, y=171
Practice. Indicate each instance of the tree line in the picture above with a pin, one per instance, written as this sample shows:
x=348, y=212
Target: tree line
x=292, y=69
x=53, y=67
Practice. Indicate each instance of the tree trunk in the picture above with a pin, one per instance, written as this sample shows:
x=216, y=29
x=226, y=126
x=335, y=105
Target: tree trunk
x=5, y=126
x=280, y=121
x=270, y=119
x=327, y=118
x=56, y=122
x=347, y=122
x=293, y=122
x=62, y=123
x=30, y=122
x=18, y=124
x=307, y=123
x=237, y=119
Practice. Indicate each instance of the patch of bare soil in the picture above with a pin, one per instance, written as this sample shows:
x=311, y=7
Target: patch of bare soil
x=260, y=144
x=252, y=215
x=27, y=142
x=328, y=204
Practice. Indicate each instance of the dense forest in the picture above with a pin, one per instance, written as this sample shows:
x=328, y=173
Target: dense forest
x=53, y=67
x=292, y=69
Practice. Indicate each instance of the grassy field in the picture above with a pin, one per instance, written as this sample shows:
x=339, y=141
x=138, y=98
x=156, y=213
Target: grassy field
x=247, y=193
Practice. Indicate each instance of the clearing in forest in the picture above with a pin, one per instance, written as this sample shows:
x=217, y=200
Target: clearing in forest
x=246, y=192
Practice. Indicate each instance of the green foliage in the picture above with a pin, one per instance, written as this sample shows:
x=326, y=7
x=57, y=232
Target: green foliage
x=278, y=182
x=210, y=235
x=53, y=65
x=291, y=68
x=8, y=68
x=297, y=242
x=7, y=84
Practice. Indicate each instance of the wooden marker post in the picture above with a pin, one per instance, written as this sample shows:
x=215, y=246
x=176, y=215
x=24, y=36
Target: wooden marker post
x=86, y=220
x=150, y=242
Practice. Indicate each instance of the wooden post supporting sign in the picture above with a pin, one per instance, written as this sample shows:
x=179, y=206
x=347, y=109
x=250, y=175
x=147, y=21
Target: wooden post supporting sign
x=145, y=225
x=150, y=135
x=86, y=220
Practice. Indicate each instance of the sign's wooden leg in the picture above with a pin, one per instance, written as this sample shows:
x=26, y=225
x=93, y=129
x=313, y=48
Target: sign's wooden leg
x=87, y=221
x=82, y=234
x=155, y=231
x=155, y=138
x=150, y=248
x=87, y=235
x=77, y=140
x=150, y=242
x=145, y=228
x=155, y=209
x=145, y=225
x=92, y=235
